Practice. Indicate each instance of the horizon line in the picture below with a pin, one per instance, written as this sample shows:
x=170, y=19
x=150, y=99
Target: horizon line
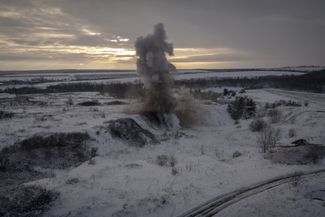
x=117, y=70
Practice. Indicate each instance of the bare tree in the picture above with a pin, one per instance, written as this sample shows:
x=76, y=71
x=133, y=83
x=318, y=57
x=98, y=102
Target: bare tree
x=268, y=138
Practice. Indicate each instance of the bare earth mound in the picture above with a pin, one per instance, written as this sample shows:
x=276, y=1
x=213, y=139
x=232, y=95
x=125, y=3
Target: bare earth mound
x=131, y=132
x=58, y=150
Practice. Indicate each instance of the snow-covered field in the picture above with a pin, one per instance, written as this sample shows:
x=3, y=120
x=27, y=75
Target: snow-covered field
x=112, y=75
x=54, y=78
x=300, y=198
x=124, y=181
x=194, y=74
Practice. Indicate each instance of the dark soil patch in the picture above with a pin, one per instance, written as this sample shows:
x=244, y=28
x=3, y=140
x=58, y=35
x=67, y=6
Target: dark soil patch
x=131, y=132
x=300, y=142
x=153, y=118
x=157, y=119
x=58, y=150
x=6, y=115
x=18, y=165
x=116, y=102
x=298, y=155
x=25, y=201
x=89, y=103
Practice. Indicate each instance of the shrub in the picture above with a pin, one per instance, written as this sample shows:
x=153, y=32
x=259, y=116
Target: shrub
x=70, y=101
x=261, y=112
x=227, y=92
x=282, y=103
x=292, y=103
x=166, y=160
x=72, y=181
x=236, y=108
x=174, y=171
x=5, y=115
x=306, y=103
x=4, y=163
x=291, y=133
x=202, y=150
x=236, y=154
x=268, y=138
x=275, y=115
x=257, y=125
x=267, y=105
x=242, y=107
x=242, y=91
x=250, y=108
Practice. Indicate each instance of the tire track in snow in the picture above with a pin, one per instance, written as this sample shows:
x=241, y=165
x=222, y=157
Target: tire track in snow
x=217, y=204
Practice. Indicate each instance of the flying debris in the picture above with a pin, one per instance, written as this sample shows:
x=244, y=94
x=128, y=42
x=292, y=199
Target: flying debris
x=155, y=71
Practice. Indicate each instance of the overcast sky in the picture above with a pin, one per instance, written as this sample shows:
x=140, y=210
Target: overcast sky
x=56, y=34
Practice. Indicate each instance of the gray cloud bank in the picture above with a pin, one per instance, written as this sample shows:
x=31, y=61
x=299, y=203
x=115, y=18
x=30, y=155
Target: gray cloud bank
x=259, y=32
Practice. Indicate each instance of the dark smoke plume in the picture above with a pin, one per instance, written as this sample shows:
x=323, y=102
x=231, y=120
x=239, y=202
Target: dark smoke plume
x=155, y=69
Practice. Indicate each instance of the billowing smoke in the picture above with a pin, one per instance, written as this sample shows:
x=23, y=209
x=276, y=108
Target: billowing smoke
x=155, y=69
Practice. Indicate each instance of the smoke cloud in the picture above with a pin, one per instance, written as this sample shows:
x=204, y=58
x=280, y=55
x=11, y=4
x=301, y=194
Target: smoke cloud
x=155, y=71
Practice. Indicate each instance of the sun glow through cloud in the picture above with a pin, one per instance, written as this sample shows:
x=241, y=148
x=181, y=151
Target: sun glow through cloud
x=113, y=57
x=48, y=34
x=89, y=32
x=54, y=39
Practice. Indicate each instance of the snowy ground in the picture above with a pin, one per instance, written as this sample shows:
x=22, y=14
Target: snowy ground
x=127, y=181
x=54, y=78
x=304, y=197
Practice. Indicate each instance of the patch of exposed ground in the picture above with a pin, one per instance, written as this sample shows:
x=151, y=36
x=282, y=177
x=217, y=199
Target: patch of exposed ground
x=130, y=132
x=19, y=164
x=25, y=201
x=298, y=154
x=56, y=151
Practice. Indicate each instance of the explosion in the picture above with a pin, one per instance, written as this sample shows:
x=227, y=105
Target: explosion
x=155, y=72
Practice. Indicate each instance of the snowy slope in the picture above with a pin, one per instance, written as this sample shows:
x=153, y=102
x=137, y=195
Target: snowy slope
x=127, y=181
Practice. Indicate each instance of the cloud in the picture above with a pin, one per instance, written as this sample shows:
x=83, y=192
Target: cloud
x=35, y=31
x=89, y=32
x=211, y=58
x=259, y=32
